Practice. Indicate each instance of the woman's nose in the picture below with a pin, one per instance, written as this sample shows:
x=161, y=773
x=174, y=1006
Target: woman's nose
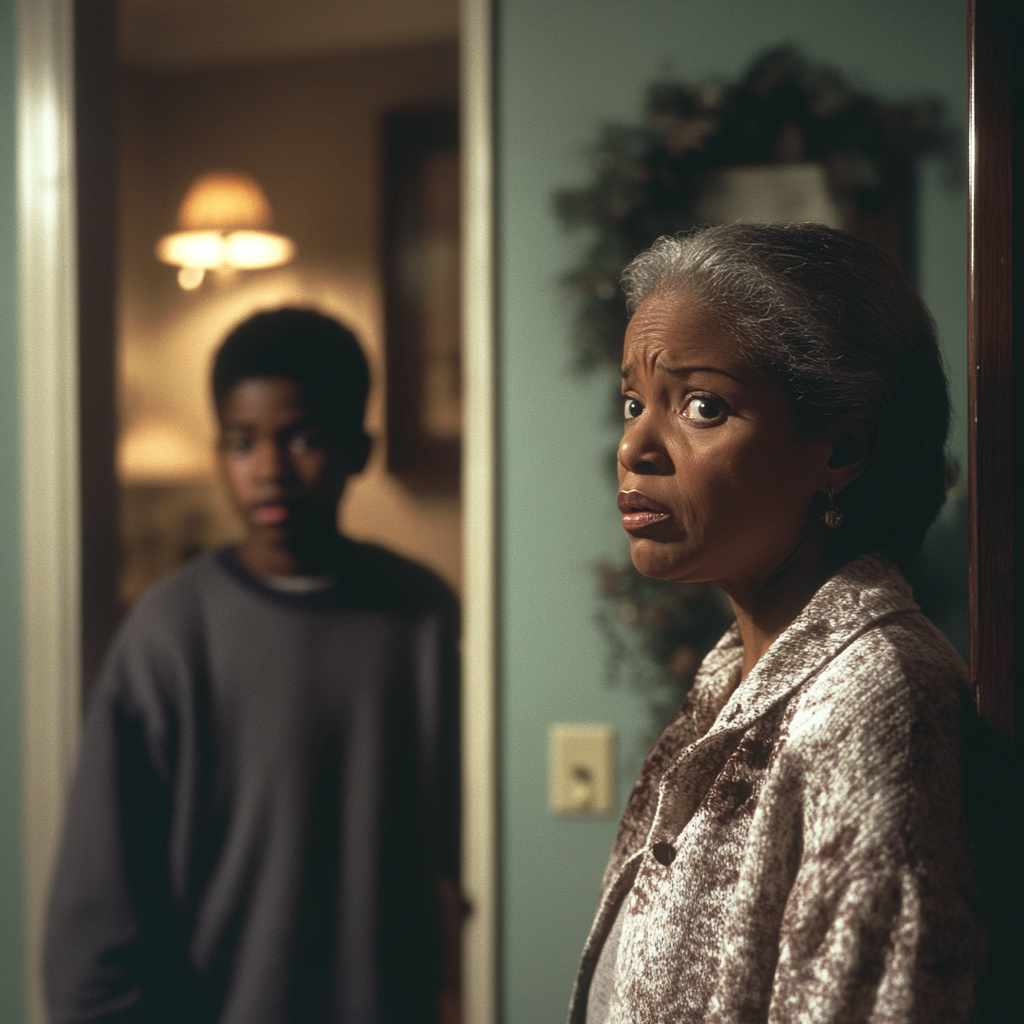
x=640, y=453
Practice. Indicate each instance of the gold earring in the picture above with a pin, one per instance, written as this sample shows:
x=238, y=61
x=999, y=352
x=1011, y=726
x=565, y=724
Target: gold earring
x=832, y=515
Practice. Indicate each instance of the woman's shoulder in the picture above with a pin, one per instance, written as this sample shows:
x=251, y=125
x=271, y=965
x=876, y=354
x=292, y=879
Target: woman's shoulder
x=878, y=635
x=894, y=690
x=886, y=676
x=902, y=656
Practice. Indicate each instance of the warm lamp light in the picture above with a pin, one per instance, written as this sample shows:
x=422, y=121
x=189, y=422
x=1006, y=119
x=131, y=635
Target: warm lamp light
x=223, y=220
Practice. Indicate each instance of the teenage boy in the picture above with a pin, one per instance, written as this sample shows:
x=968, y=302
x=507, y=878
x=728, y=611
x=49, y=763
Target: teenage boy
x=267, y=796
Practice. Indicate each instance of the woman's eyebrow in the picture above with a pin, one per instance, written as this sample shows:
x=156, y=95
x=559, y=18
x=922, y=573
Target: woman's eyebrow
x=686, y=371
x=683, y=371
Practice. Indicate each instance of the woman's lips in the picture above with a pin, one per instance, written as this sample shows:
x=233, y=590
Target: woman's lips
x=273, y=513
x=639, y=511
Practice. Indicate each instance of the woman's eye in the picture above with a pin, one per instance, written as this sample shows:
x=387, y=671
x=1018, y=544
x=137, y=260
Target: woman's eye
x=633, y=409
x=703, y=409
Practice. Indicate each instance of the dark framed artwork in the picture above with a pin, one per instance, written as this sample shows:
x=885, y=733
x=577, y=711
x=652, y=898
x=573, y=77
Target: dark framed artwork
x=421, y=279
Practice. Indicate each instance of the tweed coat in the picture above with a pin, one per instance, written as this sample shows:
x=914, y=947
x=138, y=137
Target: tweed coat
x=794, y=849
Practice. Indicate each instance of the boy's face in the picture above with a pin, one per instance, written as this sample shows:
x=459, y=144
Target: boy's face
x=285, y=474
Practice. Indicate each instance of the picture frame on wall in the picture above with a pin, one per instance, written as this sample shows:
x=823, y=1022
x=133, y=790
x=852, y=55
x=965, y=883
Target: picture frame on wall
x=421, y=280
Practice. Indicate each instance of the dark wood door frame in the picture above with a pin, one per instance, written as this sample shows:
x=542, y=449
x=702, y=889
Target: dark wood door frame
x=96, y=183
x=991, y=392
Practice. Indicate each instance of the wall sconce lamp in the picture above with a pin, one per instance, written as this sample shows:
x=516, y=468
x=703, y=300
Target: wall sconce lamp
x=223, y=223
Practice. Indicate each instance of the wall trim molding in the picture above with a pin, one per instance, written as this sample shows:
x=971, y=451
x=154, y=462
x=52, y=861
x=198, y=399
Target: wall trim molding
x=50, y=536
x=479, y=637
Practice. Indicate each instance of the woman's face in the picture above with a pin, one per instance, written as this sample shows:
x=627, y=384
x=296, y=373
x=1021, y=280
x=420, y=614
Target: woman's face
x=716, y=479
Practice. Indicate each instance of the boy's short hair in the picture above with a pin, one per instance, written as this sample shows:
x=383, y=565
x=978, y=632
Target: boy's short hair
x=318, y=353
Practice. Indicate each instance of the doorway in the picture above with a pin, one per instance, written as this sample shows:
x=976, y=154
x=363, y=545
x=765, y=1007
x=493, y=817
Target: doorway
x=423, y=521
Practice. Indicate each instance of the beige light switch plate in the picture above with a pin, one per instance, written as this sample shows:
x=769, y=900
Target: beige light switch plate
x=581, y=769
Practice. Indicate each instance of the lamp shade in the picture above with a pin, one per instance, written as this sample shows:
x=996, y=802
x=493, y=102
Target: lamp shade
x=223, y=201
x=223, y=223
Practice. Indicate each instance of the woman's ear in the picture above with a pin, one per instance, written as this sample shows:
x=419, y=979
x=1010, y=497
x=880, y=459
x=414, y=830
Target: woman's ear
x=849, y=458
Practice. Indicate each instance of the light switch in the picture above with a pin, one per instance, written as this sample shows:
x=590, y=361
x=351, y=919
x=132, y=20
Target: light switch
x=581, y=769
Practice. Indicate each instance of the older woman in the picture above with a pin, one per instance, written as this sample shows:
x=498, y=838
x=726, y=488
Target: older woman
x=794, y=849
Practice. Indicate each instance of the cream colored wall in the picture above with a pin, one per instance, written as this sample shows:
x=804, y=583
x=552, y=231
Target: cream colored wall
x=311, y=133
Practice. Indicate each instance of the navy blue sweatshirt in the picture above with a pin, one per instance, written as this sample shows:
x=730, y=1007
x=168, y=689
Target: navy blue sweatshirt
x=266, y=794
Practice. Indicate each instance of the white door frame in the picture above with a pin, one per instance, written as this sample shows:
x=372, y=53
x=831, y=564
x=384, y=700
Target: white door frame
x=48, y=376
x=479, y=694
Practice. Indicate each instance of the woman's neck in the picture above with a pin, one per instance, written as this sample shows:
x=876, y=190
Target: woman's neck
x=766, y=610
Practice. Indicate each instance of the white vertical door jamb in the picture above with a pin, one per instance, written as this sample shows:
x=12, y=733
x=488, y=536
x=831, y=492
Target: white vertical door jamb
x=50, y=542
x=479, y=695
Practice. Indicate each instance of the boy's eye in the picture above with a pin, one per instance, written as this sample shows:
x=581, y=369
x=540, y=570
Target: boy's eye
x=237, y=445
x=703, y=409
x=303, y=442
x=633, y=409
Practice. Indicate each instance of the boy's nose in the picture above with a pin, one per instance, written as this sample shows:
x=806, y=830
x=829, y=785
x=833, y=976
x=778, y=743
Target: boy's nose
x=271, y=461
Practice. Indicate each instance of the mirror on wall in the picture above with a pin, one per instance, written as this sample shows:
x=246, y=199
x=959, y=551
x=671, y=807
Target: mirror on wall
x=250, y=161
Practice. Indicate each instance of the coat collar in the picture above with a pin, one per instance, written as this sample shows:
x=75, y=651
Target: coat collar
x=858, y=596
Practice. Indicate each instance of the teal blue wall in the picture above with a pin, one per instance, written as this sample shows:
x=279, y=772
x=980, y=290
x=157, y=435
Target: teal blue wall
x=561, y=69
x=11, y=956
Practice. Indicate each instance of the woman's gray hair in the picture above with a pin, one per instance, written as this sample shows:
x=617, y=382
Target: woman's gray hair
x=834, y=320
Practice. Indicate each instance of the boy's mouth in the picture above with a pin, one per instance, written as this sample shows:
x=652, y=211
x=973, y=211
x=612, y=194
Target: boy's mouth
x=270, y=513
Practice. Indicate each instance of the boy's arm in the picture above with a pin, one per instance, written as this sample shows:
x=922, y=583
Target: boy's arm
x=111, y=951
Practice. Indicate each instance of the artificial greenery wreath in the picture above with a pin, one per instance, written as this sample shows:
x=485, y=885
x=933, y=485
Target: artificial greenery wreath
x=648, y=177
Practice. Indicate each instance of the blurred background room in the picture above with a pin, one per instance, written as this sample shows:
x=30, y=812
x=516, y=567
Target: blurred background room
x=300, y=97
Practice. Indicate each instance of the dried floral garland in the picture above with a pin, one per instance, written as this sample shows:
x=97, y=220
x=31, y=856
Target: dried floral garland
x=647, y=180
